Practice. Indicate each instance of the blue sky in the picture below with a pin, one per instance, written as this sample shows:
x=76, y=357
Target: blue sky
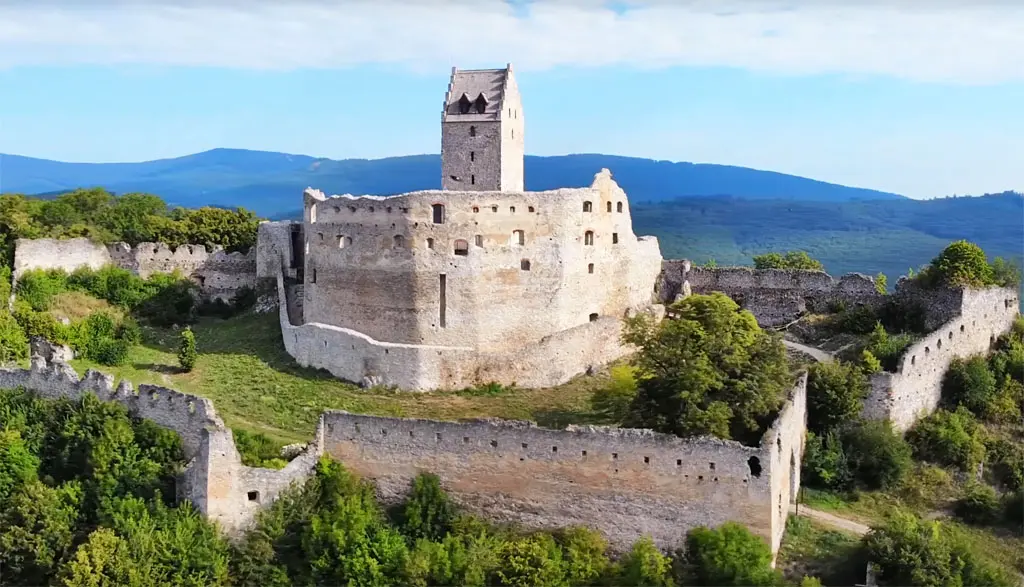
x=926, y=100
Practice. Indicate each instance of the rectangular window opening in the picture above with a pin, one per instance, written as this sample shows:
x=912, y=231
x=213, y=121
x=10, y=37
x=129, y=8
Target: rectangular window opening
x=442, y=310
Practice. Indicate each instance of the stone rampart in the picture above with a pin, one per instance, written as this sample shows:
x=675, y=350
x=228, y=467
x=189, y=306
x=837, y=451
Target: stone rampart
x=214, y=480
x=354, y=356
x=774, y=296
x=625, y=483
x=218, y=273
x=915, y=389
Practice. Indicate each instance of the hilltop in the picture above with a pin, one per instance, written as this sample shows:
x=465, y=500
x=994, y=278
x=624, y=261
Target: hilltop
x=269, y=183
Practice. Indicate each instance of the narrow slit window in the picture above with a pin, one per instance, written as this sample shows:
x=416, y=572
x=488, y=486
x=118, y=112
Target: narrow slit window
x=588, y=237
x=609, y=206
x=438, y=213
x=478, y=240
x=472, y=156
x=618, y=207
x=590, y=268
x=615, y=238
x=524, y=264
x=587, y=206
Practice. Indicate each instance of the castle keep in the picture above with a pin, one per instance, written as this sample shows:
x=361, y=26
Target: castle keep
x=478, y=282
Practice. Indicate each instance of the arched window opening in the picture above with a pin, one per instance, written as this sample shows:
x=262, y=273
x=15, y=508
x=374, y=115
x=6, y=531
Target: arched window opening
x=479, y=240
x=754, y=464
x=531, y=209
x=430, y=243
x=518, y=237
x=618, y=207
x=399, y=241
x=438, y=213
x=524, y=264
x=590, y=268
x=593, y=317
x=461, y=247
x=588, y=237
x=609, y=206
x=494, y=208
x=476, y=209
x=464, y=104
x=512, y=209
x=472, y=131
x=587, y=206
x=348, y=241
x=341, y=242
x=481, y=104
x=615, y=238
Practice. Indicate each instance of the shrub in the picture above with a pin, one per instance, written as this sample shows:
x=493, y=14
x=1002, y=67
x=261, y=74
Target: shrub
x=969, y=383
x=187, y=354
x=1005, y=407
x=256, y=449
x=1013, y=509
x=835, y=395
x=243, y=300
x=961, y=264
x=129, y=331
x=979, y=505
x=109, y=351
x=1008, y=359
x=1006, y=273
x=644, y=564
x=791, y=260
x=427, y=513
x=927, y=487
x=729, y=555
x=37, y=288
x=902, y=315
x=171, y=302
x=949, y=438
x=857, y=320
x=1006, y=462
x=824, y=464
x=869, y=362
x=887, y=348
x=878, y=457
x=881, y=284
x=13, y=343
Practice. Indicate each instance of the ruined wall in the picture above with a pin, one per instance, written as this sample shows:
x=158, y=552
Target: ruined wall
x=530, y=264
x=915, y=389
x=625, y=483
x=774, y=296
x=214, y=480
x=354, y=356
x=219, y=274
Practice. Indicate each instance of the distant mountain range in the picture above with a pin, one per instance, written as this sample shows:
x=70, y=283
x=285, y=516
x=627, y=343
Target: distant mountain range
x=272, y=183
x=698, y=211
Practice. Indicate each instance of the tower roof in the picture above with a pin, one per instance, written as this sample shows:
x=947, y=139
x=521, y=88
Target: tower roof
x=472, y=83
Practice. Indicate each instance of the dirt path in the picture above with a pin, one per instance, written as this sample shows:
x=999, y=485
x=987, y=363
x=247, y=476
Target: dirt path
x=817, y=354
x=831, y=520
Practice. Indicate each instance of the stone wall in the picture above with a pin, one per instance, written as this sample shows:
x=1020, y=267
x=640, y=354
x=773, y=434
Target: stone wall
x=214, y=479
x=354, y=356
x=219, y=274
x=915, y=389
x=625, y=483
x=774, y=296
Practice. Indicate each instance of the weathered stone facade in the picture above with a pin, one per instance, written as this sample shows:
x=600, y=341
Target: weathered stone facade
x=448, y=289
x=975, y=319
x=218, y=274
x=774, y=296
x=482, y=132
x=625, y=483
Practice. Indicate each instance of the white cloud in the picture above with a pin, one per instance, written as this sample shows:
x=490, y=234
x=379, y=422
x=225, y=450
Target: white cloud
x=955, y=41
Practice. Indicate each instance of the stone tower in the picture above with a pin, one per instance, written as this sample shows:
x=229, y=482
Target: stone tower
x=482, y=125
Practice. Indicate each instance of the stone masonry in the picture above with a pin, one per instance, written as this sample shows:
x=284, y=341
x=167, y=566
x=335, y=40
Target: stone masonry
x=218, y=274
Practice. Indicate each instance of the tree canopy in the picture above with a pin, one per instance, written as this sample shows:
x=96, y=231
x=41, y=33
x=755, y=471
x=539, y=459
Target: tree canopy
x=707, y=369
x=790, y=260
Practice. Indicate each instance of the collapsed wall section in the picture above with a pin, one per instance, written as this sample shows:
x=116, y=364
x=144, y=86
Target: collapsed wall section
x=219, y=274
x=915, y=389
x=625, y=483
x=773, y=296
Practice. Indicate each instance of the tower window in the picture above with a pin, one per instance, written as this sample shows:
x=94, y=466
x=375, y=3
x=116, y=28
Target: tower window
x=618, y=207
x=593, y=317
x=615, y=238
x=518, y=237
x=472, y=179
x=430, y=243
x=472, y=157
x=481, y=104
x=464, y=104
x=399, y=241
x=588, y=237
x=461, y=248
x=438, y=213
x=609, y=206
x=587, y=206
x=590, y=268
x=341, y=242
x=472, y=131
x=479, y=240
x=524, y=264
x=512, y=209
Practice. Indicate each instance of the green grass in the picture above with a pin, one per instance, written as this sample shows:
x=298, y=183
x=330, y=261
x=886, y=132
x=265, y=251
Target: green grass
x=256, y=385
x=812, y=549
